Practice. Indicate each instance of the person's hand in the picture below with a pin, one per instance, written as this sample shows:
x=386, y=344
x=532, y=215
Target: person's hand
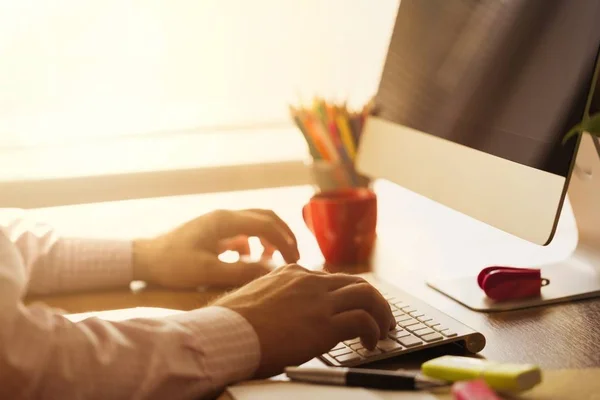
x=187, y=257
x=300, y=314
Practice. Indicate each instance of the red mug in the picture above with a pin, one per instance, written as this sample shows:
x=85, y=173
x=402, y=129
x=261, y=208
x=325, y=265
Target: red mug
x=343, y=222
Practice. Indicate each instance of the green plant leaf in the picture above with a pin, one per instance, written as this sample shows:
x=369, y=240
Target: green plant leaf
x=590, y=125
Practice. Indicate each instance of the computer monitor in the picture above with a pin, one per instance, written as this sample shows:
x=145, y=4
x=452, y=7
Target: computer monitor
x=474, y=100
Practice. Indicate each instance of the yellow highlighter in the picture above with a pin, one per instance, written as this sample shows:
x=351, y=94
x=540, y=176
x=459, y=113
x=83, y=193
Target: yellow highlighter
x=499, y=376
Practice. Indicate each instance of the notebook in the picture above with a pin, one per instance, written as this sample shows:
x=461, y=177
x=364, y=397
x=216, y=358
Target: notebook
x=277, y=390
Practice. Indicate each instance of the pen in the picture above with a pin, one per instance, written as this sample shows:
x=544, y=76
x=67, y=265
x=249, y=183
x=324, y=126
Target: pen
x=367, y=378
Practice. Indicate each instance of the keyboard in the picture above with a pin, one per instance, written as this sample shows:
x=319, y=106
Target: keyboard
x=418, y=326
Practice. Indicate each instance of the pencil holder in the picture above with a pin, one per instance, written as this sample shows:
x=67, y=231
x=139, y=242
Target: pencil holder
x=328, y=176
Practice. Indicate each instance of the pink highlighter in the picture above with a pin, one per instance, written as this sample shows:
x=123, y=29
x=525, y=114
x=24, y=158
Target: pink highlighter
x=473, y=390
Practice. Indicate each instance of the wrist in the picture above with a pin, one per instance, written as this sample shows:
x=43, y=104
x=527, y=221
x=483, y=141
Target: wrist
x=227, y=344
x=141, y=259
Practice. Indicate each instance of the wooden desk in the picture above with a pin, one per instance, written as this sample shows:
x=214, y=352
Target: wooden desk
x=416, y=238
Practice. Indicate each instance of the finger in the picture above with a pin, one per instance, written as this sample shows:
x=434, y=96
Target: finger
x=271, y=214
x=298, y=269
x=222, y=274
x=356, y=323
x=338, y=280
x=239, y=244
x=254, y=224
x=363, y=296
x=268, y=249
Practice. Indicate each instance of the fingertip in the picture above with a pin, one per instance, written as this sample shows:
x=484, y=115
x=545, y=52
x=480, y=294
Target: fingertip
x=369, y=344
x=373, y=338
x=292, y=256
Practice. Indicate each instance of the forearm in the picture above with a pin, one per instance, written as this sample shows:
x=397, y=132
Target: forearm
x=56, y=264
x=70, y=265
x=186, y=356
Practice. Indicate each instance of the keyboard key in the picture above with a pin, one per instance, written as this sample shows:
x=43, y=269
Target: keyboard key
x=439, y=327
x=389, y=298
x=424, y=331
x=338, y=346
x=416, y=327
x=369, y=353
x=401, y=304
x=329, y=358
x=348, y=358
x=397, y=334
x=410, y=341
x=356, y=346
x=424, y=318
x=448, y=333
x=340, y=352
x=404, y=324
x=432, y=337
x=352, y=341
x=408, y=309
x=416, y=314
x=387, y=345
x=431, y=323
x=397, y=313
x=403, y=317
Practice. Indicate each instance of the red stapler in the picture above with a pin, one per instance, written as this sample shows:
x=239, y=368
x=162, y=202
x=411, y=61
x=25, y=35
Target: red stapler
x=509, y=283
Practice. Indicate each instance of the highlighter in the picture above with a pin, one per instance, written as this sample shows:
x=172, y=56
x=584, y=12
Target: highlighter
x=499, y=376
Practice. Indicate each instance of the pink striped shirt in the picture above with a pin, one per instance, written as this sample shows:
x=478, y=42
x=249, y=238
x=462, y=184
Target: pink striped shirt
x=45, y=356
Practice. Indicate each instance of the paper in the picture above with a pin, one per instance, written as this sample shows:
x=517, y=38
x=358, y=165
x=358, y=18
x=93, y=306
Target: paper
x=274, y=390
x=296, y=391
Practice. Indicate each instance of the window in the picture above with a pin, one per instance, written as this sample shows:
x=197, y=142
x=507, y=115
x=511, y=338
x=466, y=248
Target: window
x=75, y=70
x=173, y=96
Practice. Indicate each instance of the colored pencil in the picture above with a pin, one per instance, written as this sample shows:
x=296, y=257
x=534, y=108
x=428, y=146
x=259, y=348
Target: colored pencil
x=344, y=155
x=332, y=134
x=345, y=132
x=356, y=125
x=311, y=126
x=314, y=153
x=326, y=139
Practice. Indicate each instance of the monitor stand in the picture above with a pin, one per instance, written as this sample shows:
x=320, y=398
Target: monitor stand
x=577, y=277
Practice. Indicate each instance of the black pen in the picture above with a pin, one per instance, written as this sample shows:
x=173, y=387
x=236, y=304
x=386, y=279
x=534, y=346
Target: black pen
x=367, y=378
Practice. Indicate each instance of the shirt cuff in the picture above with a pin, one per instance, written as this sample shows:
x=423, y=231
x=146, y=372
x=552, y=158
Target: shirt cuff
x=227, y=346
x=84, y=264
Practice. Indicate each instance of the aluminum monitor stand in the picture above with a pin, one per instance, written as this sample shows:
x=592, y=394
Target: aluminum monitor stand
x=577, y=277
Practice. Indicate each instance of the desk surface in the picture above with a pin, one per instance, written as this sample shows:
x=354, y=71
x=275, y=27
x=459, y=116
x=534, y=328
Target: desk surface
x=416, y=239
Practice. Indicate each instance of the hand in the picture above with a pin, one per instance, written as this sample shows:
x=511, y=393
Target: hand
x=187, y=257
x=241, y=245
x=300, y=314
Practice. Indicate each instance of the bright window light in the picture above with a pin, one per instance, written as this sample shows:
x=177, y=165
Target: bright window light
x=74, y=70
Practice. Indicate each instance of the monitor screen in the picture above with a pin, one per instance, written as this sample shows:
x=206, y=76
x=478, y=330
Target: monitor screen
x=508, y=78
